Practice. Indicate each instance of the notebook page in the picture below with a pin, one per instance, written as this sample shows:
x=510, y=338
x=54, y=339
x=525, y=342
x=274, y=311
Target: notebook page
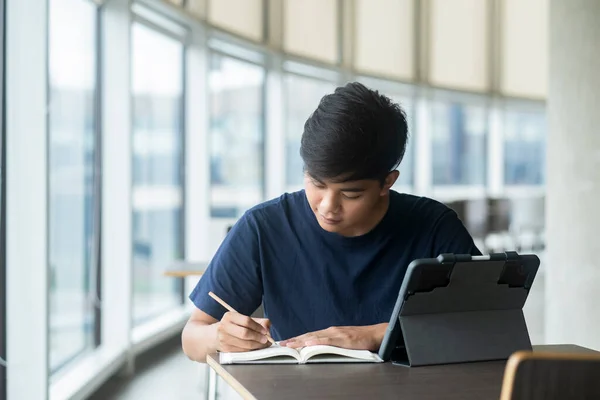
x=336, y=353
x=262, y=354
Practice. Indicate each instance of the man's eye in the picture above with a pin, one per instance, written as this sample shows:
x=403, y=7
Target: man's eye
x=318, y=184
x=351, y=197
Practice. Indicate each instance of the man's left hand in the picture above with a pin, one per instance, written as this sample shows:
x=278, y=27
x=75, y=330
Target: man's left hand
x=349, y=337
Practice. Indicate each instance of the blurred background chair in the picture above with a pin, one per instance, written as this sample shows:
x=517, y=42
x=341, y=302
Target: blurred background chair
x=497, y=223
x=506, y=223
x=527, y=223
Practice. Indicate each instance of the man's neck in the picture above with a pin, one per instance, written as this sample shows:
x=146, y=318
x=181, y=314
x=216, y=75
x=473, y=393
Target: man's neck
x=378, y=213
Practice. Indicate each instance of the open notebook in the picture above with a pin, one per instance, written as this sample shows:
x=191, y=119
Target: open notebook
x=286, y=355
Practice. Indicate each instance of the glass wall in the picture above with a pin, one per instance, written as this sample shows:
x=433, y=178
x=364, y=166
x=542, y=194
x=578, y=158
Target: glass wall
x=157, y=79
x=237, y=144
x=72, y=226
x=222, y=109
x=524, y=147
x=302, y=96
x=458, y=143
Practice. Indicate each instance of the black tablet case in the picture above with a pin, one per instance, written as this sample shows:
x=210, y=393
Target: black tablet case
x=473, y=312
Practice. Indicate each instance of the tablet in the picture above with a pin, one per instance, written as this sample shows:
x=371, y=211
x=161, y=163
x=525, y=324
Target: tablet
x=460, y=284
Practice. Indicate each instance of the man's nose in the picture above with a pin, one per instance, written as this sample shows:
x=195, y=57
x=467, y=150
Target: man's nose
x=330, y=204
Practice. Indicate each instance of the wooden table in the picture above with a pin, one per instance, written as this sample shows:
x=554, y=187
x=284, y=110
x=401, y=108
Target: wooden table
x=477, y=381
x=183, y=269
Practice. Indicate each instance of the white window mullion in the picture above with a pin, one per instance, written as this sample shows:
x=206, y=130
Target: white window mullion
x=422, y=162
x=197, y=153
x=27, y=199
x=275, y=131
x=495, y=151
x=116, y=176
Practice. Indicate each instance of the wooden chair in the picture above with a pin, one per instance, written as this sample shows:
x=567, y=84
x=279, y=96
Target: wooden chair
x=547, y=376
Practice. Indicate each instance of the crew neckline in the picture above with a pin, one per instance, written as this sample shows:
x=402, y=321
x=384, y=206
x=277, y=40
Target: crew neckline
x=352, y=240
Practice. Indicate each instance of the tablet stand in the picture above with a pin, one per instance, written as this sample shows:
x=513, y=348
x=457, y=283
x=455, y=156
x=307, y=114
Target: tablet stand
x=461, y=323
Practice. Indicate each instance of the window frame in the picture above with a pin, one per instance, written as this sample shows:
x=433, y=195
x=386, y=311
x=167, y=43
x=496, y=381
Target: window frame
x=94, y=294
x=322, y=75
x=165, y=26
x=508, y=105
x=26, y=205
x=258, y=59
x=451, y=192
x=3, y=389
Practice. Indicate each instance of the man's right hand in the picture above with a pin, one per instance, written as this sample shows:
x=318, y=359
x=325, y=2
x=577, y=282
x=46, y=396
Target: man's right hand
x=237, y=332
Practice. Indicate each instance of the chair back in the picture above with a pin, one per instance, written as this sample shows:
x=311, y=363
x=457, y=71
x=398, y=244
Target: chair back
x=473, y=214
x=547, y=376
x=499, y=214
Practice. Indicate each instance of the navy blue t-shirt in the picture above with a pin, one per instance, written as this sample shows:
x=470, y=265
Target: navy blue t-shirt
x=310, y=279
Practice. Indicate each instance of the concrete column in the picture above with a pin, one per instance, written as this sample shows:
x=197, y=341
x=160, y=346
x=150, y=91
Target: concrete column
x=572, y=298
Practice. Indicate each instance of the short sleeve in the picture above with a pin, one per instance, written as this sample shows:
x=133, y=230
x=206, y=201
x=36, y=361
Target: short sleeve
x=451, y=236
x=234, y=273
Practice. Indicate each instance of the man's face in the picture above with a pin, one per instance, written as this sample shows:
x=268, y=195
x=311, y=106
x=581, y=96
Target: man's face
x=348, y=208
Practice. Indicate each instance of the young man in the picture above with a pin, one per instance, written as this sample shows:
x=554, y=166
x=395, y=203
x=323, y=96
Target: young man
x=326, y=262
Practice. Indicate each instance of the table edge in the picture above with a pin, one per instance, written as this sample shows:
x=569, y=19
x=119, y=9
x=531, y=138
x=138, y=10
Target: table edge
x=227, y=377
x=182, y=274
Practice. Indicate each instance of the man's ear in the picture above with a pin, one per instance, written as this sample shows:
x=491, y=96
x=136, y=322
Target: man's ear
x=389, y=181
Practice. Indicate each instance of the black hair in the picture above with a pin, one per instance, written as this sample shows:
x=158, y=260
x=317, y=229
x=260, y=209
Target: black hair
x=355, y=133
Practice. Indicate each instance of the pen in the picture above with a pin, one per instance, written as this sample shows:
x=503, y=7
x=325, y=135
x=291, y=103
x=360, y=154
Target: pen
x=231, y=309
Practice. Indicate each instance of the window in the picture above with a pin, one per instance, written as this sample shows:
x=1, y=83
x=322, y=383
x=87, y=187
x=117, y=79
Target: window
x=236, y=135
x=302, y=96
x=524, y=147
x=458, y=140
x=73, y=198
x=157, y=221
x=406, y=167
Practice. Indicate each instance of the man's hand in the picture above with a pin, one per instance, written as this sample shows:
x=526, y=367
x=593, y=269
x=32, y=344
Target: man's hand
x=237, y=332
x=349, y=337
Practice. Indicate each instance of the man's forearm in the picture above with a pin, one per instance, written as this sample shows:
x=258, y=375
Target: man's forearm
x=198, y=340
